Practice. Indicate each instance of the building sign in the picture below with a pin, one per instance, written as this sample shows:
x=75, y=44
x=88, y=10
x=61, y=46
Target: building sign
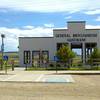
x=75, y=35
x=76, y=39
x=5, y=58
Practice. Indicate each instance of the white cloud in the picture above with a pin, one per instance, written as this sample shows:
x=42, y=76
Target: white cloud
x=28, y=27
x=49, y=25
x=49, y=5
x=68, y=17
x=12, y=34
x=92, y=26
x=93, y=12
x=98, y=18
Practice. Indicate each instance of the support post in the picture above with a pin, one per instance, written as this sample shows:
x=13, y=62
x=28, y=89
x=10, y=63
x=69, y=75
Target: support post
x=83, y=53
x=69, y=45
x=87, y=54
x=90, y=50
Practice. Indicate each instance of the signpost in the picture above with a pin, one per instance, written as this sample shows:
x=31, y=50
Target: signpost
x=12, y=62
x=5, y=58
x=56, y=59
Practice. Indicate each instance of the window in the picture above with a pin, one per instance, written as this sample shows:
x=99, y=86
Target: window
x=27, y=59
x=35, y=58
x=45, y=56
x=40, y=57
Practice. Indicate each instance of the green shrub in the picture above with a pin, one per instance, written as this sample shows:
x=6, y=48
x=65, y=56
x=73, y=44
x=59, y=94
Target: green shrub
x=80, y=64
x=51, y=65
x=58, y=65
x=94, y=68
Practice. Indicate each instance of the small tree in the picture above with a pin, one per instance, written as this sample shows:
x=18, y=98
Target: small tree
x=95, y=56
x=65, y=54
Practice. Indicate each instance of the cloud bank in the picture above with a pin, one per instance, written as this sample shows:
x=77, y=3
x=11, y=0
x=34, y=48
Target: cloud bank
x=12, y=34
x=49, y=5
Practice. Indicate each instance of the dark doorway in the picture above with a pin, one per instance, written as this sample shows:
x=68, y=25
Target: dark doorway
x=59, y=45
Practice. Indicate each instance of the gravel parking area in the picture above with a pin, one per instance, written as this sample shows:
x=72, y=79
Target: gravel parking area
x=85, y=87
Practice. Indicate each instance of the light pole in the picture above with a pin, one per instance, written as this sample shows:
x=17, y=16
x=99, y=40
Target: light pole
x=2, y=48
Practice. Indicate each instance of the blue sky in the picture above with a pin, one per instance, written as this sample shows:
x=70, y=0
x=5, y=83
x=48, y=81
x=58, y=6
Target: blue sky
x=39, y=17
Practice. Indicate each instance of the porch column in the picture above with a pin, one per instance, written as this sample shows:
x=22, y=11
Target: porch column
x=69, y=45
x=87, y=55
x=83, y=53
x=90, y=50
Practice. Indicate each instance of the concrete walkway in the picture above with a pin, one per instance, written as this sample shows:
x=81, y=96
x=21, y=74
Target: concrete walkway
x=20, y=75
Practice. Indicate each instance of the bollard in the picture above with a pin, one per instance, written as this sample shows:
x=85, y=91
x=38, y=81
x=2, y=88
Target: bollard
x=5, y=67
x=12, y=62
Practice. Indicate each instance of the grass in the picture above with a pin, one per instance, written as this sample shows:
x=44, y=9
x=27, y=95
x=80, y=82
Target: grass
x=35, y=68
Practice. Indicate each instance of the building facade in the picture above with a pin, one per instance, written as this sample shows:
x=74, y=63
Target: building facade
x=35, y=50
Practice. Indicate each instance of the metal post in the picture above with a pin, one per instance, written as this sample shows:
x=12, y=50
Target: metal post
x=2, y=49
x=56, y=66
x=26, y=67
x=12, y=65
x=41, y=58
x=6, y=67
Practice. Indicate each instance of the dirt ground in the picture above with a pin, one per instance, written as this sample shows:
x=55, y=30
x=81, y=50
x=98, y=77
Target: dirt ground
x=86, y=87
